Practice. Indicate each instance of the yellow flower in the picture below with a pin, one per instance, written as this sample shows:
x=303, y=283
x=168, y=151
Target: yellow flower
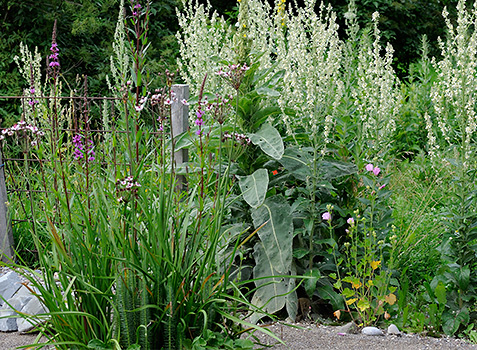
x=356, y=284
x=375, y=264
x=351, y=301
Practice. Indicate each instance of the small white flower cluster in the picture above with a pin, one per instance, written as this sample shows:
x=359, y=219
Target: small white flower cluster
x=127, y=184
x=376, y=94
x=120, y=60
x=239, y=138
x=433, y=146
x=165, y=98
x=310, y=53
x=141, y=103
x=454, y=93
x=22, y=126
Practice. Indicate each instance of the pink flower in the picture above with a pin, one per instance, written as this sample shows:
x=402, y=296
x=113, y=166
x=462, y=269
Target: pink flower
x=369, y=167
x=381, y=187
x=350, y=221
x=376, y=171
x=326, y=216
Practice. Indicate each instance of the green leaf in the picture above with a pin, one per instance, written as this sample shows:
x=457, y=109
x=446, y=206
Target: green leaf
x=276, y=235
x=452, y=321
x=331, y=170
x=98, y=345
x=260, y=116
x=254, y=187
x=269, y=140
x=266, y=91
x=326, y=292
x=299, y=253
x=297, y=161
x=273, y=255
x=440, y=293
x=134, y=347
x=310, y=283
x=463, y=277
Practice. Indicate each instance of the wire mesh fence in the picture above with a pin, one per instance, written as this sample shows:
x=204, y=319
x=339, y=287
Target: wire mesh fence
x=62, y=144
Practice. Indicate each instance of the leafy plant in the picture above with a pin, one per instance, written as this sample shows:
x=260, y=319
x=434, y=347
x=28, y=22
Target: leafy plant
x=366, y=286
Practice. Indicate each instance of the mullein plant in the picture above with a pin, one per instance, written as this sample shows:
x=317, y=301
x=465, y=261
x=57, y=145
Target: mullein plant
x=451, y=140
x=375, y=95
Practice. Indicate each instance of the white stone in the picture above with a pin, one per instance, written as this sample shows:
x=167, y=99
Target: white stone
x=392, y=329
x=8, y=324
x=372, y=331
x=10, y=283
x=33, y=307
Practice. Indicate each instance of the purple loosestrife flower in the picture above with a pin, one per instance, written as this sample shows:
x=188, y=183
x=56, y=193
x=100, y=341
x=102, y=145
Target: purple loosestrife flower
x=199, y=121
x=79, y=151
x=54, y=56
x=32, y=102
x=326, y=216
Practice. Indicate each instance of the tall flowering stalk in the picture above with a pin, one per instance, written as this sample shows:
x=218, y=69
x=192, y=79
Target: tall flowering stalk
x=375, y=95
x=454, y=92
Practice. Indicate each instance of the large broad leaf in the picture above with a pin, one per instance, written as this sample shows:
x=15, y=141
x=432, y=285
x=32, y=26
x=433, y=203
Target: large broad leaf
x=269, y=140
x=277, y=234
x=271, y=293
x=254, y=187
x=291, y=299
x=297, y=162
x=260, y=116
x=264, y=90
x=451, y=321
x=331, y=170
x=273, y=256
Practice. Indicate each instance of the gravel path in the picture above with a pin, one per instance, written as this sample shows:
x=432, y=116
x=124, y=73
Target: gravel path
x=311, y=338
x=10, y=341
x=326, y=338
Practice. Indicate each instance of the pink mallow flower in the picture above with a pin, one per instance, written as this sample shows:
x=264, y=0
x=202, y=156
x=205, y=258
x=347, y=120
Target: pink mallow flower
x=326, y=216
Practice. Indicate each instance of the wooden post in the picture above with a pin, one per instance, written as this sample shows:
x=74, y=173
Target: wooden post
x=180, y=123
x=6, y=236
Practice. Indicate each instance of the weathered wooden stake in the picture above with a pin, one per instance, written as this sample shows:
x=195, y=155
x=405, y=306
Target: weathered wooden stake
x=180, y=123
x=6, y=237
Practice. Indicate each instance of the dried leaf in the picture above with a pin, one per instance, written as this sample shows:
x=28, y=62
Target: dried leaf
x=390, y=299
x=337, y=314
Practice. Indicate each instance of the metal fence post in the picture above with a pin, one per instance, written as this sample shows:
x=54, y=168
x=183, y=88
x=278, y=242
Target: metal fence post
x=6, y=236
x=180, y=123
